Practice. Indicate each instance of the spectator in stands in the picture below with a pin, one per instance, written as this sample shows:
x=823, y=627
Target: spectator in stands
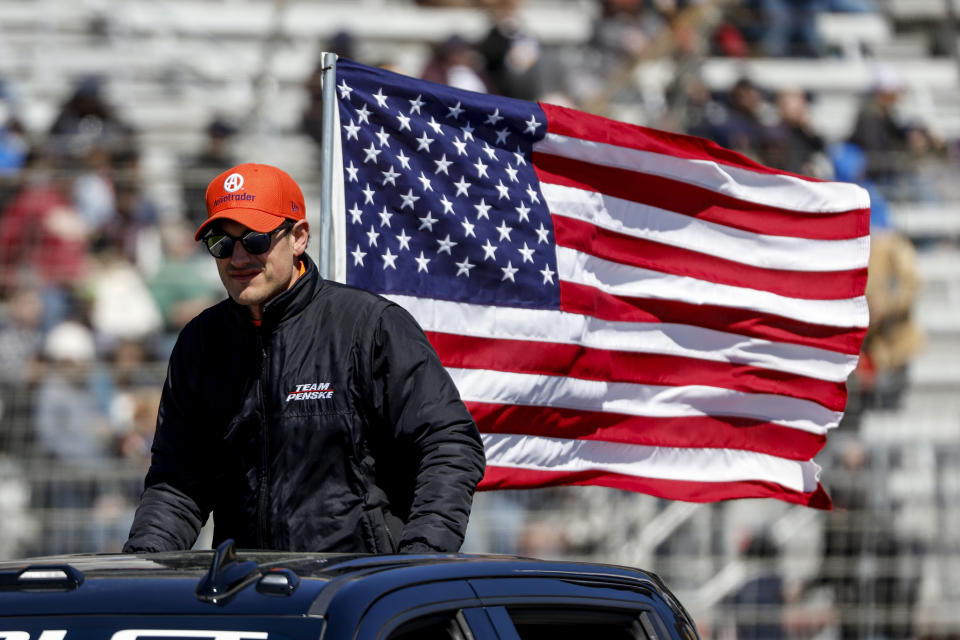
x=741, y=127
x=121, y=307
x=43, y=239
x=880, y=132
x=21, y=339
x=792, y=144
x=787, y=27
x=454, y=62
x=87, y=118
x=199, y=169
x=311, y=120
x=511, y=53
x=758, y=604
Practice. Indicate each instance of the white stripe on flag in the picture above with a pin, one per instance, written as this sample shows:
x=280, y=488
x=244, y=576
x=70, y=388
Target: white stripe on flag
x=563, y=392
x=775, y=190
x=623, y=280
x=668, y=463
x=678, y=230
x=690, y=341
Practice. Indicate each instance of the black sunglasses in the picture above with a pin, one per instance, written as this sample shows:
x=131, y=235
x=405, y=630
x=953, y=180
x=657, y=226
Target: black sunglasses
x=220, y=244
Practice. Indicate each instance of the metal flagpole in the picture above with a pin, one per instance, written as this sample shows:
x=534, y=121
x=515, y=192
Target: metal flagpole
x=327, y=161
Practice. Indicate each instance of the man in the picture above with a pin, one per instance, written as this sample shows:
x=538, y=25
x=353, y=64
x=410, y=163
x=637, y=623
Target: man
x=304, y=414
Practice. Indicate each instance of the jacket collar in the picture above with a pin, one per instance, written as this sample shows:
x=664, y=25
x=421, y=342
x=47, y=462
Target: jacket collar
x=290, y=302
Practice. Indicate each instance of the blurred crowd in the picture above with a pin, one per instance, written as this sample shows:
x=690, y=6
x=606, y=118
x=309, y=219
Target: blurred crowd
x=96, y=280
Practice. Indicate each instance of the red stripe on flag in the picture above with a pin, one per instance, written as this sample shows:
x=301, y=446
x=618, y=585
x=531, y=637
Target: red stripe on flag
x=516, y=478
x=697, y=202
x=586, y=300
x=639, y=252
x=577, y=361
x=577, y=124
x=689, y=431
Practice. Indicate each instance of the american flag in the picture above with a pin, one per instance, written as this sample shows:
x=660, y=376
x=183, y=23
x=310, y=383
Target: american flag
x=617, y=305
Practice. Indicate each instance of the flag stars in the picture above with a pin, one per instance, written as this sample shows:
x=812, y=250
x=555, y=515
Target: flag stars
x=462, y=186
x=433, y=124
x=380, y=98
x=512, y=173
x=404, y=121
x=532, y=125
x=527, y=253
x=442, y=165
x=363, y=114
x=482, y=209
x=422, y=262
x=404, y=160
x=446, y=244
x=508, y=272
x=481, y=168
x=385, y=216
x=427, y=222
x=489, y=250
x=404, y=240
x=468, y=228
x=467, y=132
x=455, y=111
x=548, y=274
x=371, y=154
x=358, y=256
x=367, y=194
x=424, y=142
x=416, y=103
x=447, y=204
x=408, y=200
x=494, y=118
x=521, y=160
x=389, y=260
x=503, y=230
x=390, y=176
x=524, y=212
x=503, y=189
x=345, y=90
x=352, y=170
x=384, y=138
x=502, y=135
x=425, y=182
x=461, y=146
x=491, y=153
x=372, y=236
x=356, y=215
x=542, y=234
x=352, y=130
x=534, y=196
x=463, y=268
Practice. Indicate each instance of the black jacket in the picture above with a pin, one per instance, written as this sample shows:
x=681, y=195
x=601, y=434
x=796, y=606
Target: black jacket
x=331, y=427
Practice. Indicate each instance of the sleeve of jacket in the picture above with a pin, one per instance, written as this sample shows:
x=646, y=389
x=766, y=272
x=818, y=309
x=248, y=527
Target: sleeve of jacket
x=417, y=399
x=175, y=502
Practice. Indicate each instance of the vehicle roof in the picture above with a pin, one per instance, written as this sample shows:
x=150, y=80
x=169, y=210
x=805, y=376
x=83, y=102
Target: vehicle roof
x=171, y=583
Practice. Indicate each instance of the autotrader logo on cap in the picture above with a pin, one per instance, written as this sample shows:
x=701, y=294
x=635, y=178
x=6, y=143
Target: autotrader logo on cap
x=233, y=182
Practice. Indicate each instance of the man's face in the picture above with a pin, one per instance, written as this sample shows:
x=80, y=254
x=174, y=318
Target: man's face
x=252, y=280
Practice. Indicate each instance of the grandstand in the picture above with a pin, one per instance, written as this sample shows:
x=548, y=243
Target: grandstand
x=170, y=67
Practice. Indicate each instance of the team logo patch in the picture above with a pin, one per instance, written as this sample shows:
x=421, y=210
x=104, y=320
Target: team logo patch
x=311, y=391
x=233, y=182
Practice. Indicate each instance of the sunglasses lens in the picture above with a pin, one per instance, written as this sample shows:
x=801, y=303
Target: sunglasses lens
x=256, y=243
x=219, y=246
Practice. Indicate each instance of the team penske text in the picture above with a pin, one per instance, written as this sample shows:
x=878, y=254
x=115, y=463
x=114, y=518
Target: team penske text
x=311, y=391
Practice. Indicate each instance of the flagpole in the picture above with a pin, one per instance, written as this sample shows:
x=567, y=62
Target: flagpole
x=327, y=160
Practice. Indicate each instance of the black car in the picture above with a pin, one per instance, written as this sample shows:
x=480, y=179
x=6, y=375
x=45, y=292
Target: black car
x=260, y=595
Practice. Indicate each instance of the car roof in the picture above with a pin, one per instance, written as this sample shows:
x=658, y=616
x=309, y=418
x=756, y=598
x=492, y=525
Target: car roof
x=189, y=582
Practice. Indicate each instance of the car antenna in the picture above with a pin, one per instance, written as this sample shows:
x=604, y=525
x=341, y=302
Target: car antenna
x=227, y=575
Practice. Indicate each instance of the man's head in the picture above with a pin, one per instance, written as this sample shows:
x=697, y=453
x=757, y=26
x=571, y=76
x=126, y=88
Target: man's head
x=256, y=230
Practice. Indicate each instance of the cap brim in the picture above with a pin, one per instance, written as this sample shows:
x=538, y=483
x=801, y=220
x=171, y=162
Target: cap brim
x=254, y=219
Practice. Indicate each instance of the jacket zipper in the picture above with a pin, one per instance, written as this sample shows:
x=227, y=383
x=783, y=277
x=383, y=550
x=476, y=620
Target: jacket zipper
x=262, y=528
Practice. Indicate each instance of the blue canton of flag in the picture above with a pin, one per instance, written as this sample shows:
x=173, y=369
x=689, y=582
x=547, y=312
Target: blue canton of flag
x=445, y=202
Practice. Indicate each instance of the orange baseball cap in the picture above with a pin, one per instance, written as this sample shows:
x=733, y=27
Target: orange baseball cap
x=258, y=196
